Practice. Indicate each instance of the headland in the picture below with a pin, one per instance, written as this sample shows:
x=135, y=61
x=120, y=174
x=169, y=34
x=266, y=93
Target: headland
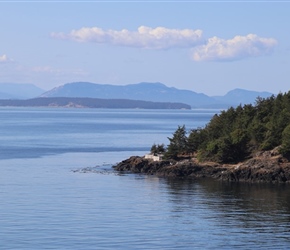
x=267, y=166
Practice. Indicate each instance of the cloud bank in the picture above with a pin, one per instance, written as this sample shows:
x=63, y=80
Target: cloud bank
x=144, y=37
x=239, y=47
x=212, y=49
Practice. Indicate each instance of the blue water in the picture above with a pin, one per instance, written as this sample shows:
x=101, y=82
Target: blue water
x=58, y=190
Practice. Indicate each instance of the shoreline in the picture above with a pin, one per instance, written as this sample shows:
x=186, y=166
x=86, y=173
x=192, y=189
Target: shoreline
x=267, y=166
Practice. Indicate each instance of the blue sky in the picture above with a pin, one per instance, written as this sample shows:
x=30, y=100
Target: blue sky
x=205, y=46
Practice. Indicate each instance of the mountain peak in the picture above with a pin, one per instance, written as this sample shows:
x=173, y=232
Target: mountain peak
x=242, y=96
x=145, y=91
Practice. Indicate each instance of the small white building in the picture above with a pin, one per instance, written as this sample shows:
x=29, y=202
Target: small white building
x=154, y=157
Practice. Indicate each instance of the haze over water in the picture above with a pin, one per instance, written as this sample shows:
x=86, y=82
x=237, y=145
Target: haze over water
x=58, y=190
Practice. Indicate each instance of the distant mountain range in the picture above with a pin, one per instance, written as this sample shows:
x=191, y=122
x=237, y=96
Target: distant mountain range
x=141, y=91
x=19, y=91
x=152, y=92
x=155, y=92
x=241, y=96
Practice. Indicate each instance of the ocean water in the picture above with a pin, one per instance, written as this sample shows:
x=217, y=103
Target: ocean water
x=58, y=190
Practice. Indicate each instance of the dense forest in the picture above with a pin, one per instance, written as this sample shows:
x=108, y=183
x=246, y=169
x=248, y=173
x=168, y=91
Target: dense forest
x=235, y=134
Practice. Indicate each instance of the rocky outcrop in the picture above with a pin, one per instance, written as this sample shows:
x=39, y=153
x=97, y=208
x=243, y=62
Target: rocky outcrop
x=264, y=167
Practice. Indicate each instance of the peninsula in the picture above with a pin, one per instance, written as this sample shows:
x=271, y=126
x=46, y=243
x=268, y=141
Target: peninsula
x=268, y=166
x=248, y=143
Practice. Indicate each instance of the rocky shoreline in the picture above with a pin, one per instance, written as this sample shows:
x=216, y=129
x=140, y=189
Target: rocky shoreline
x=266, y=166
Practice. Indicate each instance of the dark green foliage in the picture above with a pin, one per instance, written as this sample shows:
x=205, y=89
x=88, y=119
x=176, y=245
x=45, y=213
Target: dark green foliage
x=196, y=138
x=157, y=149
x=234, y=134
x=178, y=143
x=285, y=147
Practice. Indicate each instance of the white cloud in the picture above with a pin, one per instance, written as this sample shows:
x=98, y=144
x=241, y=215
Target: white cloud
x=239, y=47
x=214, y=49
x=144, y=37
x=4, y=59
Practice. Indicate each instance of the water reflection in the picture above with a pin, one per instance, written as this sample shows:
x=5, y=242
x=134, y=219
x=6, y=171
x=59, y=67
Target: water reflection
x=257, y=198
x=248, y=214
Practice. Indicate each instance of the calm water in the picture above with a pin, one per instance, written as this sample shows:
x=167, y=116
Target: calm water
x=58, y=191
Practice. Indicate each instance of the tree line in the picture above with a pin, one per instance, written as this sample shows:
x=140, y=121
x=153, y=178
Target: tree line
x=235, y=134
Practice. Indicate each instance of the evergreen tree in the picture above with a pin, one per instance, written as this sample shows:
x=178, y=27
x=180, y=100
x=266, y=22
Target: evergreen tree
x=157, y=149
x=178, y=143
x=285, y=147
x=195, y=139
x=234, y=134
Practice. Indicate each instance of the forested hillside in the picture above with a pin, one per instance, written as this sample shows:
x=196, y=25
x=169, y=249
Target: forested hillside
x=237, y=133
x=91, y=103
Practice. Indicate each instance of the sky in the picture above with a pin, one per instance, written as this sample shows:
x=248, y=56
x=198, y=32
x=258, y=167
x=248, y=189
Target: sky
x=208, y=47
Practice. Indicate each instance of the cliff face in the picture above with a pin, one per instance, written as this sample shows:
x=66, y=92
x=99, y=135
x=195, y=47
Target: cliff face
x=261, y=168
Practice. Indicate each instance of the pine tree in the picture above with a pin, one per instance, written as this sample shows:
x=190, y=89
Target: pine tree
x=178, y=143
x=285, y=147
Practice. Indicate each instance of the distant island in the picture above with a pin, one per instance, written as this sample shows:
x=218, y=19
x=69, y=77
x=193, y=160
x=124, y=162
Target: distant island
x=143, y=91
x=248, y=143
x=73, y=102
x=155, y=92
